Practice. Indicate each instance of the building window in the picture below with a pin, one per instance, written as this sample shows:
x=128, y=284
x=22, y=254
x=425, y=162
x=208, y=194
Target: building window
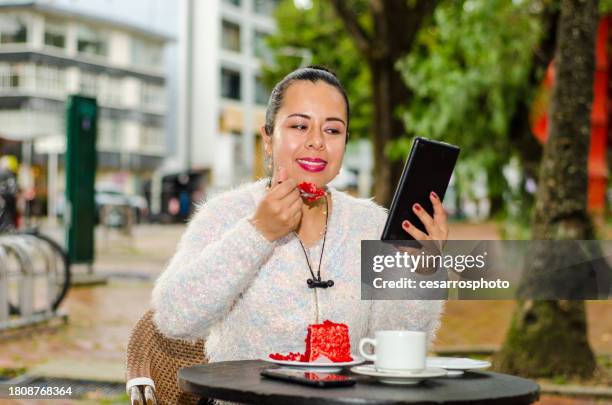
x=265, y=7
x=236, y=3
x=111, y=91
x=151, y=138
x=50, y=80
x=110, y=134
x=260, y=47
x=230, y=84
x=114, y=134
x=261, y=91
x=152, y=97
x=55, y=34
x=13, y=29
x=89, y=84
x=91, y=42
x=230, y=36
x=11, y=76
x=146, y=54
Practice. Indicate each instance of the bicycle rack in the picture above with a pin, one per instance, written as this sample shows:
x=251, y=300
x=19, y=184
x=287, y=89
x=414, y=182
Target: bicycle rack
x=28, y=281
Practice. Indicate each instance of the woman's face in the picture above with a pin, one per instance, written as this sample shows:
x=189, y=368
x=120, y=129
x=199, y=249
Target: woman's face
x=309, y=133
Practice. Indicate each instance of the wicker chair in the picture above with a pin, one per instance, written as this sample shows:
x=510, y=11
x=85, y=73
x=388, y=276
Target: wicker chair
x=153, y=361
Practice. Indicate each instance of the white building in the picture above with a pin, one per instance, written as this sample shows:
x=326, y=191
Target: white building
x=48, y=52
x=222, y=103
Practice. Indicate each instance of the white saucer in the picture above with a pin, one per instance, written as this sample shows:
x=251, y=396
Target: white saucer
x=321, y=365
x=457, y=365
x=399, y=377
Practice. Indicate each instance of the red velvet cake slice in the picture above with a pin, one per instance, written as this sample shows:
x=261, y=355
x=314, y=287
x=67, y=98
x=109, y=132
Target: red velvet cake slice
x=328, y=339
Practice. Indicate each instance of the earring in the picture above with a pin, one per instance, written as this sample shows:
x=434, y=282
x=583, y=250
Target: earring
x=269, y=158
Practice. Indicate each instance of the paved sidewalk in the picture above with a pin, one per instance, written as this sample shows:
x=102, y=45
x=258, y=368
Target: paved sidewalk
x=146, y=251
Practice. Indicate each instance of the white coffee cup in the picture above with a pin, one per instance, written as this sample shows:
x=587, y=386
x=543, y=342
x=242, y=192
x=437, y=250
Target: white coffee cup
x=397, y=350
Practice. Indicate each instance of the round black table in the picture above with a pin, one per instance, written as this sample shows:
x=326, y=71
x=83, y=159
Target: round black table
x=239, y=381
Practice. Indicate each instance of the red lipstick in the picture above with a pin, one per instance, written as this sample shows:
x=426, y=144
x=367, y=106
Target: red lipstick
x=312, y=164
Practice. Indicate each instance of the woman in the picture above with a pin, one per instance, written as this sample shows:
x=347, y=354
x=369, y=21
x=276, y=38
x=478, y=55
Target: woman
x=239, y=276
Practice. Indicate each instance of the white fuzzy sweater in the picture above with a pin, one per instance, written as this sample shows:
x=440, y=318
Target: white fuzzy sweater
x=248, y=297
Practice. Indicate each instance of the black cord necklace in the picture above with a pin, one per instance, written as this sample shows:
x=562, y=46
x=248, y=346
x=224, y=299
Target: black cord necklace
x=316, y=282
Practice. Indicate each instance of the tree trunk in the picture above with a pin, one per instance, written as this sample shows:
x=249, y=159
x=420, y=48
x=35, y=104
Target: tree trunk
x=561, y=205
x=548, y=338
x=395, y=24
x=388, y=91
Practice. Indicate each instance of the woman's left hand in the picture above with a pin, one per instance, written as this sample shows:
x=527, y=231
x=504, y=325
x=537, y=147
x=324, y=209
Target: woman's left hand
x=436, y=227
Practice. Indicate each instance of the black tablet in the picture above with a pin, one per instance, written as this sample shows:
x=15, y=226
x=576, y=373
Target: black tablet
x=429, y=168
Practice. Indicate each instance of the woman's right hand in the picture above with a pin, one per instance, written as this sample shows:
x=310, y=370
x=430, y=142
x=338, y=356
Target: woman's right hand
x=280, y=211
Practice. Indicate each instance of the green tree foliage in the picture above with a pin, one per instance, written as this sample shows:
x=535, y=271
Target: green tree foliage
x=318, y=31
x=467, y=71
